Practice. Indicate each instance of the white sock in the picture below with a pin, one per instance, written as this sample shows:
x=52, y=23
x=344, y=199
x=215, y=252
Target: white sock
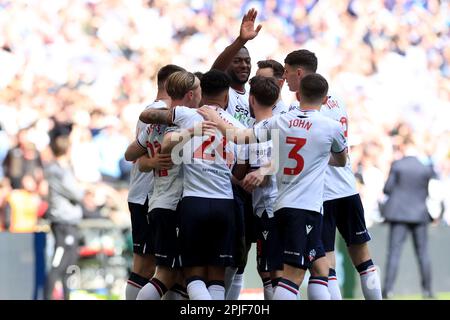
x=318, y=288
x=370, y=283
x=134, y=285
x=154, y=290
x=229, y=276
x=131, y=291
x=333, y=286
x=236, y=287
x=216, y=290
x=268, y=289
x=274, y=285
x=197, y=290
x=285, y=290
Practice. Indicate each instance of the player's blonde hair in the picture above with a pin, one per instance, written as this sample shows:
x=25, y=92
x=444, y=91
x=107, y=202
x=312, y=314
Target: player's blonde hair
x=180, y=83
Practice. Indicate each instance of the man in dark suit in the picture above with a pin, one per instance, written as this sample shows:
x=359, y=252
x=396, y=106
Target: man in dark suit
x=406, y=211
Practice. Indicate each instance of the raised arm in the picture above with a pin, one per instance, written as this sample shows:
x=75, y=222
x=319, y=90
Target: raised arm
x=247, y=32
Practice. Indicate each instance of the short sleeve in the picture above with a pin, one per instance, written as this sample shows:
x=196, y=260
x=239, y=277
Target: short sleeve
x=171, y=129
x=339, y=142
x=181, y=116
x=143, y=137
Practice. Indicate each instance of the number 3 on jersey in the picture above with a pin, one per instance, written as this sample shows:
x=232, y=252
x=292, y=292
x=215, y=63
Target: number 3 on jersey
x=293, y=154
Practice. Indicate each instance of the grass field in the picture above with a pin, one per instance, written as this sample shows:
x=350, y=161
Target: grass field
x=249, y=294
x=256, y=294
x=439, y=296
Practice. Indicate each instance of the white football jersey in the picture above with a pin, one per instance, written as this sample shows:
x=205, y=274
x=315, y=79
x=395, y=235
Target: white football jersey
x=207, y=161
x=168, y=183
x=280, y=107
x=141, y=183
x=305, y=141
x=294, y=105
x=263, y=198
x=339, y=181
x=239, y=108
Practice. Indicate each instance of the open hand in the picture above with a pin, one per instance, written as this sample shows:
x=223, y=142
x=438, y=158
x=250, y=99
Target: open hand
x=205, y=128
x=248, y=31
x=209, y=114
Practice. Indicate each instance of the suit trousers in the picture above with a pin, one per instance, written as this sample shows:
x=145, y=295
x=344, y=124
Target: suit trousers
x=397, y=236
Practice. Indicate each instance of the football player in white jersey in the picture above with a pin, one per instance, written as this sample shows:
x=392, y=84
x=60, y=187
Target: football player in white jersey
x=199, y=187
x=272, y=68
x=141, y=185
x=207, y=225
x=309, y=142
x=266, y=68
x=262, y=185
x=342, y=205
x=184, y=89
x=236, y=61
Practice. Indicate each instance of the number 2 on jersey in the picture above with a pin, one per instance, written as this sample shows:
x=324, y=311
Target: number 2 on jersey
x=162, y=172
x=293, y=154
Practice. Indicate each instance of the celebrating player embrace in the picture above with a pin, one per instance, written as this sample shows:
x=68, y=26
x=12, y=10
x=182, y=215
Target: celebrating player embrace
x=232, y=165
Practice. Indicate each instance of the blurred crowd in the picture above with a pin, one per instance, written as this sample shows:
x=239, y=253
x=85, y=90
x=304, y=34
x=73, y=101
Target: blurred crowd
x=91, y=64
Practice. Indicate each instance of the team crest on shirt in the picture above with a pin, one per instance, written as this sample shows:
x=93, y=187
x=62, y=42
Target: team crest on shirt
x=312, y=255
x=154, y=127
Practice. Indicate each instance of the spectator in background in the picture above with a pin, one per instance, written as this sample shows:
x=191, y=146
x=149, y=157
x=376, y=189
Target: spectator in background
x=111, y=144
x=91, y=210
x=406, y=212
x=23, y=159
x=26, y=206
x=65, y=211
x=5, y=207
x=4, y=146
x=445, y=176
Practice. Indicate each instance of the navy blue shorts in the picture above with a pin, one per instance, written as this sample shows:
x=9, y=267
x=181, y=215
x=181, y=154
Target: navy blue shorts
x=268, y=255
x=299, y=235
x=245, y=225
x=347, y=215
x=141, y=231
x=165, y=230
x=244, y=205
x=207, y=232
